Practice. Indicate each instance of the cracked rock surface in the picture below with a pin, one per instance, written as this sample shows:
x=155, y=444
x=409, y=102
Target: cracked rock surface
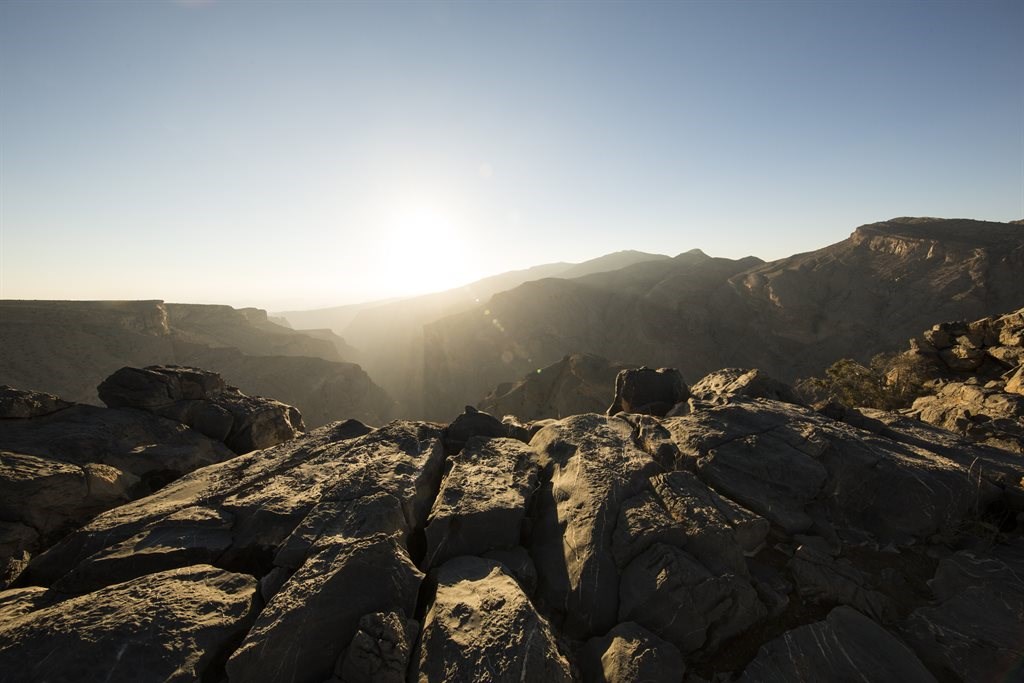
x=749, y=539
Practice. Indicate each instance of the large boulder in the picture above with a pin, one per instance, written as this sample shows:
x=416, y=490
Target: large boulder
x=291, y=499
x=749, y=382
x=803, y=471
x=670, y=592
x=644, y=390
x=62, y=464
x=975, y=629
x=482, y=627
x=846, y=646
x=169, y=626
x=22, y=404
x=483, y=500
x=305, y=628
x=202, y=400
x=473, y=422
x=590, y=467
x=629, y=653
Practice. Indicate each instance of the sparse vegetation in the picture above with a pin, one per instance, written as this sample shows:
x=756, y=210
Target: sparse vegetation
x=890, y=381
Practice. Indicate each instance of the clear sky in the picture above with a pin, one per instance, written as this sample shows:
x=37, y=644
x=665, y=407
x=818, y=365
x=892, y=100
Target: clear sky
x=306, y=154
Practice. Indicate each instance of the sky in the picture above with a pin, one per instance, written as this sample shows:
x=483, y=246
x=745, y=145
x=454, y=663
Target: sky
x=297, y=155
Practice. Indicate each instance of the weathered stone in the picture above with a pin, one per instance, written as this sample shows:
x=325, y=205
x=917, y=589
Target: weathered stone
x=717, y=531
x=962, y=358
x=752, y=383
x=376, y=513
x=482, y=627
x=195, y=535
x=152, y=448
x=822, y=579
x=304, y=629
x=649, y=391
x=973, y=632
x=846, y=646
x=16, y=543
x=1015, y=384
x=987, y=415
x=578, y=383
x=519, y=565
x=269, y=494
x=203, y=401
x=785, y=463
x=629, y=653
x=483, y=499
x=643, y=521
x=53, y=497
x=590, y=467
x=169, y=626
x=668, y=591
x=380, y=651
x=473, y=422
x=23, y=404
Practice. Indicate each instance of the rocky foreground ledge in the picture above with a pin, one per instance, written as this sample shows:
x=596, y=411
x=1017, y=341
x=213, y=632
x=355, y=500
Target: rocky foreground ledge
x=744, y=539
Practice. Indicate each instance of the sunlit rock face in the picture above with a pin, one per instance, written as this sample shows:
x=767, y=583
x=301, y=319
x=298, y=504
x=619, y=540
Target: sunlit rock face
x=747, y=538
x=974, y=371
x=789, y=318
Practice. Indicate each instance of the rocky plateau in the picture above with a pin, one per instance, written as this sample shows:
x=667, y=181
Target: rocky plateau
x=740, y=537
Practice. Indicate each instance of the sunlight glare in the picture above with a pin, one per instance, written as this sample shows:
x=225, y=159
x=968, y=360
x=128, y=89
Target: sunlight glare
x=426, y=251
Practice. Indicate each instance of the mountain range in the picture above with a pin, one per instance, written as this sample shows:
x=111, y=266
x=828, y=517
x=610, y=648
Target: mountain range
x=427, y=356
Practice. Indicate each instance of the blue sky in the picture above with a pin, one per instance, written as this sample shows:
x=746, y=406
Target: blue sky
x=307, y=154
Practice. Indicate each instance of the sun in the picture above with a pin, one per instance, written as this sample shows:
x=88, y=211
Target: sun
x=425, y=250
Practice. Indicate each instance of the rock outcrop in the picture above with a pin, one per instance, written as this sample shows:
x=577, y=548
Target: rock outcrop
x=167, y=626
x=202, y=400
x=976, y=372
x=749, y=539
x=61, y=464
x=648, y=391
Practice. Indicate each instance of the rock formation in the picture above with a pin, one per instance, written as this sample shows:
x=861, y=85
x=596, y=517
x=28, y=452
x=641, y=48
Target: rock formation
x=749, y=538
x=63, y=463
x=976, y=374
x=201, y=400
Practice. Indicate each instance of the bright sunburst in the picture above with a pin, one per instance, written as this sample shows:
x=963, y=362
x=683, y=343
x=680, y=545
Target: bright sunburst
x=426, y=250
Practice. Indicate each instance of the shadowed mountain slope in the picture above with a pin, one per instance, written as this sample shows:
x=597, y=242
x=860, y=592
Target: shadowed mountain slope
x=389, y=336
x=68, y=347
x=791, y=317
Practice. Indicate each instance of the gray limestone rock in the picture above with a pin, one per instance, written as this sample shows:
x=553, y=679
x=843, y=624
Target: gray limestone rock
x=590, y=468
x=202, y=400
x=668, y=591
x=380, y=651
x=306, y=626
x=168, y=626
x=974, y=630
x=649, y=391
x=482, y=627
x=483, y=499
x=629, y=653
x=846, y=646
